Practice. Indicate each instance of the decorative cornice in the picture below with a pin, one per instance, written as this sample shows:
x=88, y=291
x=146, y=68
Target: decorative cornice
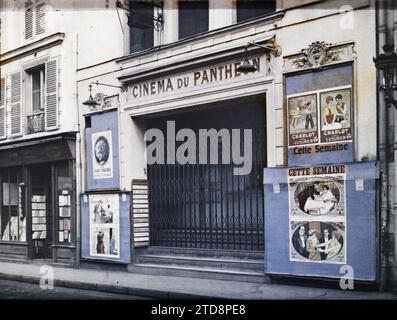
x=319, y=54
x=32, y=47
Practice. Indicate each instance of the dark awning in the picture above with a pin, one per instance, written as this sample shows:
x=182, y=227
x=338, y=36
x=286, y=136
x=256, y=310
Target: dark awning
x=38, y=151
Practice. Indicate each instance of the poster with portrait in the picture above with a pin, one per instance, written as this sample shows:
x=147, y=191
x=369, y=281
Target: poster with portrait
x=102, y=155
x=318, y=241
x=104, y=225
x=335, y=111
x=317, y=196
x=317, y=213
x=302, y=119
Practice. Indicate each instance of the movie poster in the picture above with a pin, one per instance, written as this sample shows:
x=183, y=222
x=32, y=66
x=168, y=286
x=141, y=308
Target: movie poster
x=102, y=155
x=320, y=121
x=303, y=119
x=104, y=226
x=317, y=214
x=335, y=109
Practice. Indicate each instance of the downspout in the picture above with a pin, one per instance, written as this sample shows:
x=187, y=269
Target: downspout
x=79, y=169
x=383, y=145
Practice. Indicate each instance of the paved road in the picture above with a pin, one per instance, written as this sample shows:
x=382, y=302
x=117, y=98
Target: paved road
x=14, y=290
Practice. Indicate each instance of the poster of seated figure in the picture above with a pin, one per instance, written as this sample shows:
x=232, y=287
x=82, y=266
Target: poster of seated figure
x=317, y=214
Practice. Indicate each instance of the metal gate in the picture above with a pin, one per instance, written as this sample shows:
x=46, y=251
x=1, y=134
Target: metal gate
x=206, y=206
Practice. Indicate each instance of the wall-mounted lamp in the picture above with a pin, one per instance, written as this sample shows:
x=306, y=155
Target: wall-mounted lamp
x=93, y=103
x=246, y=66
x=386, y=64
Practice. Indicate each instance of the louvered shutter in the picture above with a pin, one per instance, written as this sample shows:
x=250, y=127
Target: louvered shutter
x=51, y=101
x=2, y=109
x=28, y=23
x=16, y=112
x=40, y=18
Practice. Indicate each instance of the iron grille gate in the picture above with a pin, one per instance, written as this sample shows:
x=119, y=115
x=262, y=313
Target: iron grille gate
x=206, y=206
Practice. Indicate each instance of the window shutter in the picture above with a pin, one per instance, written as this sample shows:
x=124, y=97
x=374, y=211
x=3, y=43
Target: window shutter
x=28, y=23
x=51, y=101
x=16, y=114
x=40, y=18
x=2, y=108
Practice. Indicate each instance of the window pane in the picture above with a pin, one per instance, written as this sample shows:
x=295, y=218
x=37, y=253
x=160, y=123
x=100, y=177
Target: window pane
x=12, y=222
x=36, y=82
x=36, y=96
x=250, y=9
x=141, y=26
x=193, y=18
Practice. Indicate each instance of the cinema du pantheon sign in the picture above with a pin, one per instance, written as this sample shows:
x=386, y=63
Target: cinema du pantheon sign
x=213, y=75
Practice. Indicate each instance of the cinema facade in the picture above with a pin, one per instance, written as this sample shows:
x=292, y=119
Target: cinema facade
x=310, y=200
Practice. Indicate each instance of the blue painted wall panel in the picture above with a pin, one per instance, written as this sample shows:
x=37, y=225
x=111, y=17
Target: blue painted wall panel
x=100, y=123
x=361, y=238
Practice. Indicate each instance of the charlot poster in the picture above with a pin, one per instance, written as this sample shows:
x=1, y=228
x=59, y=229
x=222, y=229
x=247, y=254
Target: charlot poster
x=102, y=151
x=319, y=119
x=317, y=214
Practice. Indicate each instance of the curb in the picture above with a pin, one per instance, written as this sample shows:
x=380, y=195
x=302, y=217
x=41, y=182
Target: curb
x=117, y=289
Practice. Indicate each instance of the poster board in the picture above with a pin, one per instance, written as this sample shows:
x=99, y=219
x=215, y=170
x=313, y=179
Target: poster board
x=105, y=227
x=320, y=116
x=102, y=152
x=319, y=218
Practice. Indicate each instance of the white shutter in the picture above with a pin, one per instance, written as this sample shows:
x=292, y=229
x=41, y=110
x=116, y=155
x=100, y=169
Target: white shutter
x=16, y=112
x=51, y=101
x=40, y=18
x=29, y=23
x=3, y=110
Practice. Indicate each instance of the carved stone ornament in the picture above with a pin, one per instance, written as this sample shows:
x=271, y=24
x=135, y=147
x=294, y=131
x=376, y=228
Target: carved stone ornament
x=319, y=54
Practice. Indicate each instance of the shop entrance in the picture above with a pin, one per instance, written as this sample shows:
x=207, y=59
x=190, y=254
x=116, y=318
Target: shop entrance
x=41, y=205
x=207, y=206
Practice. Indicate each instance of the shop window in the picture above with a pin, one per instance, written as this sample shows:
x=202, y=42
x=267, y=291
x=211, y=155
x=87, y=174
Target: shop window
x=140, y=21
x=12, y=212
x=251, y=9
x=193, y=18
x=65, y=199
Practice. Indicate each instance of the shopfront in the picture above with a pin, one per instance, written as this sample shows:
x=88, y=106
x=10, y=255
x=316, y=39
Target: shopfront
x=38, y=200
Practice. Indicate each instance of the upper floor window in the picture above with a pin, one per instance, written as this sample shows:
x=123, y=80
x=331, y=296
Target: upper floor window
x=35, y=23
x=38, y=90
x=141, y=25
x=193, y=18
x=250, y=9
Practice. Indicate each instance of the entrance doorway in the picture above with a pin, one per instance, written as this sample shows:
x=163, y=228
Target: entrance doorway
x=41, y=205
x=207, y=206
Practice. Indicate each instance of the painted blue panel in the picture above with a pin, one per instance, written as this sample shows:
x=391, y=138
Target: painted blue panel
x=360, y=222
x=322, y=79
x=103, y=122
x=318, y=80
x=342, y=156
x=125, y=233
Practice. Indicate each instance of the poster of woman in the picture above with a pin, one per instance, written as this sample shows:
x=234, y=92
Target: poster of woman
x=335, y=109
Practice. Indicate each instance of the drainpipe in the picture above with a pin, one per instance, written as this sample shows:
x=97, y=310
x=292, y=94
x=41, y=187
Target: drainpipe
x=383, y=146
x=79, y=175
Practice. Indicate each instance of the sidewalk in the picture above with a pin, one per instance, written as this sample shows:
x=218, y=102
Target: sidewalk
x=164, y=287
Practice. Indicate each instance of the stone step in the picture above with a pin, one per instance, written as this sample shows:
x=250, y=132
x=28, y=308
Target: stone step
x=199, y=261
x=199, y=272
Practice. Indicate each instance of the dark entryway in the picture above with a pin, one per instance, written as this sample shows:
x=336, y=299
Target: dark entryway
x=205, y=205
